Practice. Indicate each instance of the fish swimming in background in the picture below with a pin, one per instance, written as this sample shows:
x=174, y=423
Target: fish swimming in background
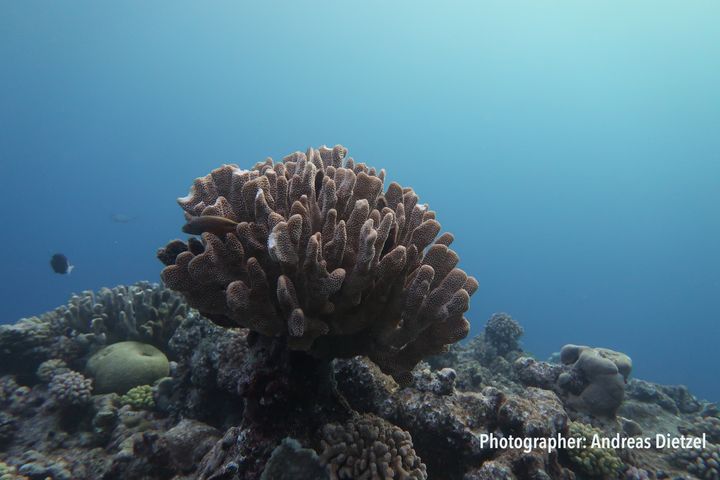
x=219, y=226
x=60, y=264
x=121, y=218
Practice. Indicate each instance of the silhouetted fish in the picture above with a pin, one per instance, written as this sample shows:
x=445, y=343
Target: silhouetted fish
x=60, y=264
x=219, y=226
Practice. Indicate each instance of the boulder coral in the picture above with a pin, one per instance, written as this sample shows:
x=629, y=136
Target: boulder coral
x=121, y=366
x=596, y=382
x=312, y=249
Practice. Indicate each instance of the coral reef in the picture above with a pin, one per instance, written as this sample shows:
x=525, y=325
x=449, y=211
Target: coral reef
x=233, y=404
x=446, y=429
x=702, y=462
x=708, y=425
x=140, y=397
x=313, y=250
x=143, y=312
x=486, y=359
x=369, y=447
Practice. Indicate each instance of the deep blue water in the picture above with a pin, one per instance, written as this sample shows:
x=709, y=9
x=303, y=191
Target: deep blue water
x=573, y=148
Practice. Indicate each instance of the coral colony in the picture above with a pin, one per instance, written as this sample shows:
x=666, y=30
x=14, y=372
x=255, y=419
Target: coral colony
x=308, y=328
x=321, y=256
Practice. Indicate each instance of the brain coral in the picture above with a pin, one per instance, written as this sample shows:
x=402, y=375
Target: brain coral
x=312, y=249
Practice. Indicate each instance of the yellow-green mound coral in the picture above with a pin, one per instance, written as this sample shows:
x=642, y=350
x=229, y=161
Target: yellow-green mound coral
x=139, y=398
x=593, y=461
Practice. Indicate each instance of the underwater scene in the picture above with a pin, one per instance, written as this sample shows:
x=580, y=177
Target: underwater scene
x=463, y=240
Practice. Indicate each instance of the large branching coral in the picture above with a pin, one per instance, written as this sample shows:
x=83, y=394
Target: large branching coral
x=312, y=249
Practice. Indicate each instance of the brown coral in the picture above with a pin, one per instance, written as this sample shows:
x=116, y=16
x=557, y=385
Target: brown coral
x=372, y=448
x=322, y=256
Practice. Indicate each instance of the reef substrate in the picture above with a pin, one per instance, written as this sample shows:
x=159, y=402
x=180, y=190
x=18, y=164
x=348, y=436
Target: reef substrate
x=237, y=405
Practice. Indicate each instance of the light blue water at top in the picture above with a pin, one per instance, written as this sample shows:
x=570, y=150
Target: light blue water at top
x=572, y=147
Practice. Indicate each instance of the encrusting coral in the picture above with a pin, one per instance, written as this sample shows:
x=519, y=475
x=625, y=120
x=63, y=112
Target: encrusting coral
x=312, y=249
x=370, y=447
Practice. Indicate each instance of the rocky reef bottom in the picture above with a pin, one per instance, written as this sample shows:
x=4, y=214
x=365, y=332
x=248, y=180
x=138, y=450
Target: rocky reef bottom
x=130, y=383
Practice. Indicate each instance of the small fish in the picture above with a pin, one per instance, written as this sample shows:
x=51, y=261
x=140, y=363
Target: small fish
x=60, y=264
x=121, y=218
x=219, y=226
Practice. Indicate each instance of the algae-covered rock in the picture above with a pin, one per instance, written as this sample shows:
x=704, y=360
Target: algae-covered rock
x=188, y=442
x=8, y=472
x=290, y=461
x=121, y=366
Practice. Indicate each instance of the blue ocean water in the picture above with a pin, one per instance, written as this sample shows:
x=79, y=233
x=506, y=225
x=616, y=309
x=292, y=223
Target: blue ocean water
x=573, y=148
